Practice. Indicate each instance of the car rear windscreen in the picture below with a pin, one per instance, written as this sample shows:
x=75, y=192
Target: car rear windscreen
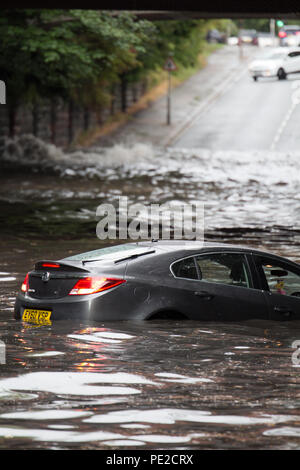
x=110, y=253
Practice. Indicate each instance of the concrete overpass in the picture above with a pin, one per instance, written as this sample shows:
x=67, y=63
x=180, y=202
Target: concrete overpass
x=261, y=11
x=175, y=9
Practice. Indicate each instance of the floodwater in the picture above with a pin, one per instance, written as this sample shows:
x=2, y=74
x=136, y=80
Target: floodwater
x=156, y=385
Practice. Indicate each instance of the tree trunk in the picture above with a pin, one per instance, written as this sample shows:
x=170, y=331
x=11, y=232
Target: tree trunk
x=12, y=120
x=70, y=123
x=123, y=93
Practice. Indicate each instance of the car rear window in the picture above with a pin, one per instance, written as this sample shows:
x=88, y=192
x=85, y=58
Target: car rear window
x=185, y=268
x=109, y=253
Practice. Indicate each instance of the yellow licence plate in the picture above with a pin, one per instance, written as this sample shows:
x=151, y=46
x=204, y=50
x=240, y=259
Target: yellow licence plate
x=37, y=316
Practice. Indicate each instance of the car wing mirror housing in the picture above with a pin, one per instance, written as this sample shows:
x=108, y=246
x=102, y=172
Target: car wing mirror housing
x=279, y=273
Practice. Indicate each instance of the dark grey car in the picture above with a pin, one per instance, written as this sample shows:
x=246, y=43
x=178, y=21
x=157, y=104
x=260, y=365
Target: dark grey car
x=162, y=279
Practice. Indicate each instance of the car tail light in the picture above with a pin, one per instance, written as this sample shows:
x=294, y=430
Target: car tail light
x=92, y=285
x=50, y=265
x=282, y=34
x=25, y=285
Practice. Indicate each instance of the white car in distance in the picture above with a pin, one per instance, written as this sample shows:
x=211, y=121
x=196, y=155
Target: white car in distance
x=278, y=62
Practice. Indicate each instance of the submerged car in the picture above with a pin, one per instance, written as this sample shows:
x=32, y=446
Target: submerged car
x=162, y=279
x=276, y=63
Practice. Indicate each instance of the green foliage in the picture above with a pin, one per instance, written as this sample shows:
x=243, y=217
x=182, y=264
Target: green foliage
x=59, y=52
x=260, y=24
x=183, y=40
x=78, y=54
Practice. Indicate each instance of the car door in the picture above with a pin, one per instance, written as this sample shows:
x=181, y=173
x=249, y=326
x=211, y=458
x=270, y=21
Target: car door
x=185, y=291
x=227, y=287
x=281, y=284
x=292, y=62
x=296, y=63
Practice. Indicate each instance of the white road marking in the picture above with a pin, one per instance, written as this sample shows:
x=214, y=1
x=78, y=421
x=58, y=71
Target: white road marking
x=206, y=104
x=295, y=98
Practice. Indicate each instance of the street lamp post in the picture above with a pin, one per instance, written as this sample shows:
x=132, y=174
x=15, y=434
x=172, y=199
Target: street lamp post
x=169, y=99
x=272, y=30
x=169, y=66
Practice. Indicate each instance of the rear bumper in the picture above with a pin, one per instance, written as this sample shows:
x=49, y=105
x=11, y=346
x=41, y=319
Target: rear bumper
x=115, y=304
x=79, y=308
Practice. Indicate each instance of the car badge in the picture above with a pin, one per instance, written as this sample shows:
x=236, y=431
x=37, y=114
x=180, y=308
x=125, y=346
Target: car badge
x=45, y=277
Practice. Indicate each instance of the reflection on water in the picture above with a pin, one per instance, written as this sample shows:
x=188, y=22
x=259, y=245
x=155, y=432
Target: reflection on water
x=138, y=385
x=119, y=385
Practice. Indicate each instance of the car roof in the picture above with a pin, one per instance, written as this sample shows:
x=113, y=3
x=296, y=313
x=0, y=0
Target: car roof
x=291, y=26
x=167, y=251
x=193, y=245
x=185, y=248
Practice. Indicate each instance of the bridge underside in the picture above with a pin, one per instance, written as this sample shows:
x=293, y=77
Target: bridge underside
x=190, y=9
x=178, y=9
x=155, y=15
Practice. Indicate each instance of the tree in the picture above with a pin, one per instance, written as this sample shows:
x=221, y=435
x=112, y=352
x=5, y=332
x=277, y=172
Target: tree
x=61, y=52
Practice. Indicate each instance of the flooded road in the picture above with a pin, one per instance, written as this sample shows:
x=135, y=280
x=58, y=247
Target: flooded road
x=260, y=115
x=156, y=385
x=187, y=385
x=46, y=192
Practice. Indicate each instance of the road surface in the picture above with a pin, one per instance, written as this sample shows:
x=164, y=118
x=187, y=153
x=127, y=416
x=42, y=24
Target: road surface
x=222, y=108
x=248, y=115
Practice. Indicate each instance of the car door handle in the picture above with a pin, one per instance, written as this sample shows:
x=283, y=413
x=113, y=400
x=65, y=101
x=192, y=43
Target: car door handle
x=283, y=310
x=204, y=295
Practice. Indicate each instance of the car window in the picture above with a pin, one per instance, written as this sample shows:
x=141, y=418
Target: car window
x=113, y=253
x=274, y=55
x=224, y=268
x=294, y=54
x=185, y=268
x=280, y=277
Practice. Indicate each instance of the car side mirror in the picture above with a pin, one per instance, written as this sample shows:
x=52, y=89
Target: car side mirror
x=279, y=273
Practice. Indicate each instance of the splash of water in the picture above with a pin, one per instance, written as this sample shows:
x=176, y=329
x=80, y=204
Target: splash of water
x=29, y=151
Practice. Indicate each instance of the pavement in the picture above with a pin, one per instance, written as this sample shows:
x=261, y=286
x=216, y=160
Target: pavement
x=188, y=101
